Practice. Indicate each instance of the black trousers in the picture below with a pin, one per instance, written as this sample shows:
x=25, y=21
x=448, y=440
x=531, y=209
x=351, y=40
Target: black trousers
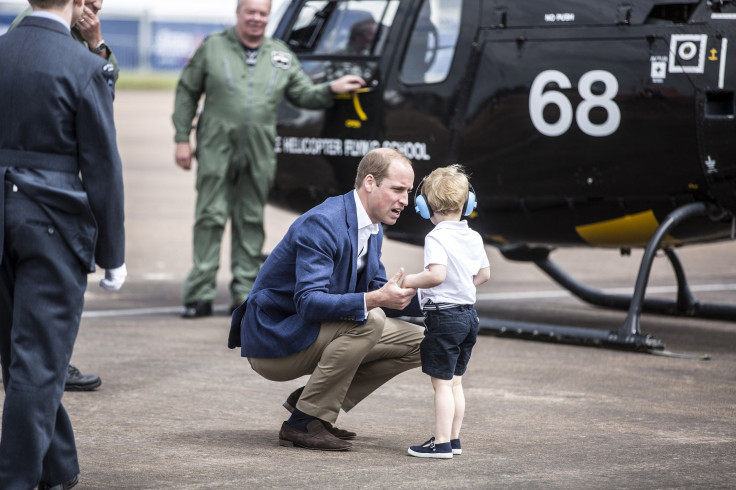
x=42, y=286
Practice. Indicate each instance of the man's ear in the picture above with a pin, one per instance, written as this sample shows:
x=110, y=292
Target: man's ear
x=369, y=182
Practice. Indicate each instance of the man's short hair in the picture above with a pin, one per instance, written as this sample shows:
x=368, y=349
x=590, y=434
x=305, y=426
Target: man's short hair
x=376, y=163
x=446, y=189
x=48, y=4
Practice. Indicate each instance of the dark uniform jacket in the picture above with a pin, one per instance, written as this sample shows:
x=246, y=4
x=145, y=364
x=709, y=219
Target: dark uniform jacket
x=58, y=146
x=75, y=34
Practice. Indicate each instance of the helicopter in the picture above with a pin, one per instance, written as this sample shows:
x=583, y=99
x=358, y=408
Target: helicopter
x=583, y=123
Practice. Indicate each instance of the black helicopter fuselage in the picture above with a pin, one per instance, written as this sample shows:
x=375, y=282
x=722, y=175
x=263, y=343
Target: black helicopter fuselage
x=580, y=122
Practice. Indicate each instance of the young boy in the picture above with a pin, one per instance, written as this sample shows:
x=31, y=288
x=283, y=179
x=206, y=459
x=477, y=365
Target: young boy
x=455, y=262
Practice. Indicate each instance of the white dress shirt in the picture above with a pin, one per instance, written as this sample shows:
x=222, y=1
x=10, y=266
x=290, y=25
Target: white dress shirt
x=366, y=228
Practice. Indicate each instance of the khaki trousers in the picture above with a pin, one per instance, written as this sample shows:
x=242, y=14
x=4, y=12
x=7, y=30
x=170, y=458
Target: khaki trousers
x=347, y=362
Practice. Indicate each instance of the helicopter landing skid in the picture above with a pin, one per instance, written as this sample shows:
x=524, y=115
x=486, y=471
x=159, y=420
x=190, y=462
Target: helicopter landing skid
x=590, y=337
x=629, y=336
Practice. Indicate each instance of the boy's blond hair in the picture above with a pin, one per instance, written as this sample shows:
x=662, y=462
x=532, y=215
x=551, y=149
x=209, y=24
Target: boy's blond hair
x=446, y=189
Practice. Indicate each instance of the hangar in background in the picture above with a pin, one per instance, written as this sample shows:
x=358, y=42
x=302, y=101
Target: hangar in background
x=161, y=37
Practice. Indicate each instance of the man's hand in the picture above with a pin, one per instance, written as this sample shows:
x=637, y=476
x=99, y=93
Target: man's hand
x=390, y=295
x=183, y=155
x=89, y=28
x=346, y=83
x=114, y=278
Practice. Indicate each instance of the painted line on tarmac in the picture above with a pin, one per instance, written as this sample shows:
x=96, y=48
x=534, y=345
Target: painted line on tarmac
x=522, y=295
x=561, y=293
x=164, y=310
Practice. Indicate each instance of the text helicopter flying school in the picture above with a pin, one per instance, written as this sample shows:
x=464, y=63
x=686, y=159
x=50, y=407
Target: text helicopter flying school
x=597, y=123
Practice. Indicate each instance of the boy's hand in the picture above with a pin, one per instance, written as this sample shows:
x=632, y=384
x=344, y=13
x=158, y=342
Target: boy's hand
x=401, y=278
x=391, y=295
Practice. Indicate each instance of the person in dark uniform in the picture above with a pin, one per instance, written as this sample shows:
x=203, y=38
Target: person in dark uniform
x=61, y=212
x=87, y=31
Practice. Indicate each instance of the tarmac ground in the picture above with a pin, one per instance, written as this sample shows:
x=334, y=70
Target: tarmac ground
x=178, y=409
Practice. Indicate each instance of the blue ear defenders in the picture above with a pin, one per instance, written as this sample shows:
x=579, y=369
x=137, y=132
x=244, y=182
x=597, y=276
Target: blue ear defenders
x=422, y=207
x=471, y=202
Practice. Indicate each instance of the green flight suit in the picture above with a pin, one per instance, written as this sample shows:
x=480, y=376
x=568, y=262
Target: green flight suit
x=77, y=37
x=235, y=151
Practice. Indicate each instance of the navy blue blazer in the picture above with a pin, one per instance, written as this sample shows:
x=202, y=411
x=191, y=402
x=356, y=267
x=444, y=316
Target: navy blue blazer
x=309, y=278
x=63, y=129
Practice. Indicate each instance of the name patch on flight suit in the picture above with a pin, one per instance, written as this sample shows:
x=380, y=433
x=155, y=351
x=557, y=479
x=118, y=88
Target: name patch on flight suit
x=280, y=59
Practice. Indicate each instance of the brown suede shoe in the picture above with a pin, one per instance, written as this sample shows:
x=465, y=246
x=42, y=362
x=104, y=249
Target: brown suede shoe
x=339, y=433
x=316, y=437
x=290, y=405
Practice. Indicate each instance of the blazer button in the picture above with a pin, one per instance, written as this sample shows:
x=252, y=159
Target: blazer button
x=51, y=230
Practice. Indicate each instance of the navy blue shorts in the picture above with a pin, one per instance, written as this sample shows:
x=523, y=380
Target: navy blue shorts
x=449, y=337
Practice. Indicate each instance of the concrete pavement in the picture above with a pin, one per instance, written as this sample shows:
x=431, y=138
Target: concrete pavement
x=177, y=409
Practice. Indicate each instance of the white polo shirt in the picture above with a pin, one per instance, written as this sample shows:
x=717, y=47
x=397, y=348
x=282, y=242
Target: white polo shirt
x=460, y=249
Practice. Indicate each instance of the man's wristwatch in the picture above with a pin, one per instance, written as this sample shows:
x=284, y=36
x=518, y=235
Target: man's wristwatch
x=101, y=46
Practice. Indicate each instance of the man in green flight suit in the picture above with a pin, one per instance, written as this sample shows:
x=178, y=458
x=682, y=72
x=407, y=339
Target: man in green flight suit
x=244, y=75
x=87, y=31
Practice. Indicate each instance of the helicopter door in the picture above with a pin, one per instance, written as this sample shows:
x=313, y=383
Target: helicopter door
x=430, y=79
x=336, y=38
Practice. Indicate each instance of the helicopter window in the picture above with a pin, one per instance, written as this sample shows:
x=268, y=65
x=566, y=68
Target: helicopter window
x=719, y=104
x=432, y=44
x=355, y=28
x=676, y=13
x=308, y=24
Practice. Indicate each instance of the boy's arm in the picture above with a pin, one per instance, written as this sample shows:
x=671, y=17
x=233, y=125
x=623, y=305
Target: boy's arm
x=429, y=278
x=482, y=276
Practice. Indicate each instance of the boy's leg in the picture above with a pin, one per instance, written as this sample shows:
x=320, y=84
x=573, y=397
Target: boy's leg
x=459, y=398
x=444, y=409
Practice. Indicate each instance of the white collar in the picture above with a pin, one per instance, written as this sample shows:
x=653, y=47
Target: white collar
x=452, y=225
x=364, y=220
x=49, y=15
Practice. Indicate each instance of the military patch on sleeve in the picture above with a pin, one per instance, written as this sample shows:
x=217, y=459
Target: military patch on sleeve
x=281, y=59
x=108, y=72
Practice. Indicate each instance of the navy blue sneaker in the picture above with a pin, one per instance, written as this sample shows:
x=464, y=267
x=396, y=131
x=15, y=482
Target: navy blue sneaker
x=456, y=448
x=431, y=450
